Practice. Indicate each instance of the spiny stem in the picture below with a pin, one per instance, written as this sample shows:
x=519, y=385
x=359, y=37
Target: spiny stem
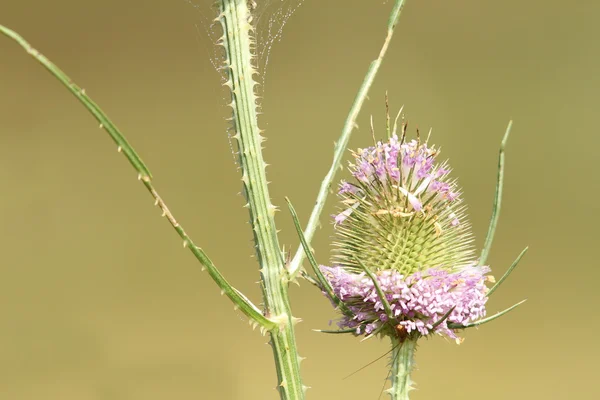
x=240, y=69
x=78, y=92
x=497, y=200
x=402, y=366
x=342, y=142
x=236, y=296
x=145, y=176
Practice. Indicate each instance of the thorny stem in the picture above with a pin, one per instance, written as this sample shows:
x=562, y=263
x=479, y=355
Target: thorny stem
x=342, y=142
x=240, y=69
x=240, y=301
x=402, y=366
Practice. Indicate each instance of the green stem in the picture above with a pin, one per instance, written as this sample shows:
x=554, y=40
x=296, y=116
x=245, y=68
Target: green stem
x=145, y=176
x=240, y=68
x=402, y=366
x=342, y=142
x=323, y=284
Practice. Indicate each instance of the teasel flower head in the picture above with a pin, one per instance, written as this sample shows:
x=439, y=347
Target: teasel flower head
x=402, y=233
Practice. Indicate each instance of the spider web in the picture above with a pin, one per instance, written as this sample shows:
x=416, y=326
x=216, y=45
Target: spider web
x=269, y=17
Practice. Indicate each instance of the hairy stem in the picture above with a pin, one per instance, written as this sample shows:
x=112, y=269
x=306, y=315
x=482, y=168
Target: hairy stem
x=402, y=366
x=342, y=142
x=240, y=69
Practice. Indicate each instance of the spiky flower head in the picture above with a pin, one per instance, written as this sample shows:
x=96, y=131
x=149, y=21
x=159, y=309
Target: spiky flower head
x=402, y=227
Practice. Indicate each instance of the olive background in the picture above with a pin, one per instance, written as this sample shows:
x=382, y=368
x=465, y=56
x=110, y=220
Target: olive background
x=98, y=298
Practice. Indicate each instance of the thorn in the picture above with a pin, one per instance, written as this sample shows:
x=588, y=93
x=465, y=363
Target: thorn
x=163, y=213
x=222, y=292
x=119, y=149
x=156, y=202
x=101, y=126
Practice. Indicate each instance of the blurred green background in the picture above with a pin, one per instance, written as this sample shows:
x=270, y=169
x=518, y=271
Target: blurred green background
x=98, y=299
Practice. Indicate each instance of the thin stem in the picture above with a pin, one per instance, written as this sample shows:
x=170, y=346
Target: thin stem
x=78, y=92
x=402, y=366
x=240, y=301
x=336, y=332
x=342, y=142
x=323, y=283
x=145, y=176
x=240, y=69
x=497, y=200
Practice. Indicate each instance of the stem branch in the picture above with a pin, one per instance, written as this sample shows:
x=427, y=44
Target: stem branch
x=342, y=142
x=145, y=176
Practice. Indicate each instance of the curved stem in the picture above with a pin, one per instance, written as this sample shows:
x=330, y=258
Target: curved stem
x=342, y=142
x=240, y=301
x=402, y=366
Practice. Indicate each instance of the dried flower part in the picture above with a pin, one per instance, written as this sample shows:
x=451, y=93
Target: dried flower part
x=403, y=219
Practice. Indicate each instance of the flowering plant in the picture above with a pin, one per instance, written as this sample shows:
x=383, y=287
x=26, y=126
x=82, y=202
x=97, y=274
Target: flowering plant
x=404, y=266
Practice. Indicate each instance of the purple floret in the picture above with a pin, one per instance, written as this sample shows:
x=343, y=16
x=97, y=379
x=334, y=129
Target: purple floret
x=417, y=301
x=409, y=166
